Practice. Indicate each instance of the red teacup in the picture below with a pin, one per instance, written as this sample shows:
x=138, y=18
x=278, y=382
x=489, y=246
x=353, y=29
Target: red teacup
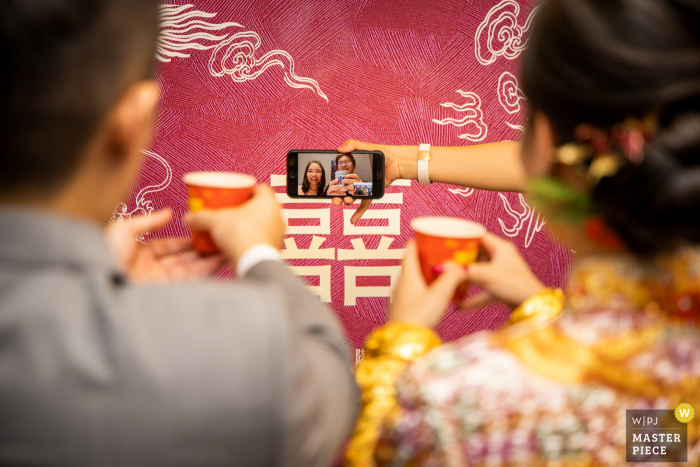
x=443, y=239
x=215, y=190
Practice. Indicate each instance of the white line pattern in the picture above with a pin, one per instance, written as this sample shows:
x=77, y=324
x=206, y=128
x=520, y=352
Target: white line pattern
x=510, y=96
x=509, y=93
x=474, y=117
x=501, y=34
x=465, y=192
x=143, y=205
x=232, y=54
x=528, y=219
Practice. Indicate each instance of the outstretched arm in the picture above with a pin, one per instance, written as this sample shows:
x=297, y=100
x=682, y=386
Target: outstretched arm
x=492, y=166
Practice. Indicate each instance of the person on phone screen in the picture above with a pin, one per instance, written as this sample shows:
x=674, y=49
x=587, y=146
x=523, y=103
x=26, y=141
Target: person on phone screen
x=314, y=183
x=345, y=163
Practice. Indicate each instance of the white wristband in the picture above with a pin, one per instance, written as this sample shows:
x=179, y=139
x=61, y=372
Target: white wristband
x=423, y=164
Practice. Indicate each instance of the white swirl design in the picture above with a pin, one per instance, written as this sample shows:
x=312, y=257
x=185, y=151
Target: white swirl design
x=500, y=33
x=143, y=205
x=528, y=219
x=465, y=192
x=474, y=117
x=509, y=93
x=232, y=54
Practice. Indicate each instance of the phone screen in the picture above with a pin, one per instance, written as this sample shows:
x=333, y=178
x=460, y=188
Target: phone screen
x=333, y=174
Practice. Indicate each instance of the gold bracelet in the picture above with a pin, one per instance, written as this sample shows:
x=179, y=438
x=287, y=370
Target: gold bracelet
x=546, y=304
x=389, y=350
x=406, y=341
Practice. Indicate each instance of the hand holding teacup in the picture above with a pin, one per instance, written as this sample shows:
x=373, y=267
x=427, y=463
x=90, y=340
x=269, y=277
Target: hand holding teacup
x=349, y=181
x=504, y=276
x=215, y=190
x=446, y=239
x=335, y=188
x=434, y=268
x=228, y=213
x=342, y=185
x=414, y=301
x=441, y=262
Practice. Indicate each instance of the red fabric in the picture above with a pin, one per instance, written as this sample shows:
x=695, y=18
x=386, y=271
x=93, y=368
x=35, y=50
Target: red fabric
x=385, y=67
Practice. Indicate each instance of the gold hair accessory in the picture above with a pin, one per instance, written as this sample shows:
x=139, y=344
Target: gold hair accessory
x=600, y=152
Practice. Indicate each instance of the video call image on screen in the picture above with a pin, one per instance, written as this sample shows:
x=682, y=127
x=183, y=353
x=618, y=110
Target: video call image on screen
x=323, y=174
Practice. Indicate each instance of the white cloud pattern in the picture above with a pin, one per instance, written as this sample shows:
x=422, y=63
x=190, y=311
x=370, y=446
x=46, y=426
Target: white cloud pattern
x=232, y=53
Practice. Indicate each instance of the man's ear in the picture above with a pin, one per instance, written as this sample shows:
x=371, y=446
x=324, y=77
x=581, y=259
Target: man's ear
x=128, y=126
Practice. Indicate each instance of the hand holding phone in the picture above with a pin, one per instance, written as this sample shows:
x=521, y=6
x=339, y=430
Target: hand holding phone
x=328, y=173
x=391, y=171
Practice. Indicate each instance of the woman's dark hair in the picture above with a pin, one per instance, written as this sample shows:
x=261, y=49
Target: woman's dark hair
x=322, y=185
x=352, y=158
x=601, y=61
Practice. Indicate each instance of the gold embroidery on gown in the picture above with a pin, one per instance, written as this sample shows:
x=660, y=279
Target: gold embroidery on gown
x=659, y=297
x=390, y=349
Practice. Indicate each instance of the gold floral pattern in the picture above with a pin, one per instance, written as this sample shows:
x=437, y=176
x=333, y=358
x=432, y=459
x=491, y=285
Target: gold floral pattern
x=388, y=351
x=555, y=392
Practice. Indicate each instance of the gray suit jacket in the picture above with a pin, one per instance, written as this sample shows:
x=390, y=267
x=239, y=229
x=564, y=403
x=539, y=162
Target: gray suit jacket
x=95, y=371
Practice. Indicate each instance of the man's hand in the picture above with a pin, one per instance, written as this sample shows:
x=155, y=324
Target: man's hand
x=505, y=277
x=335, y=189
x=391, y=171
x=234, y=230
x=415, y=302
x=168, y=260
x=349, y=181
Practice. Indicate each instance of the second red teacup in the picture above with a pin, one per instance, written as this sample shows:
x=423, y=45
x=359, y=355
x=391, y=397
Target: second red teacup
x=443, y=239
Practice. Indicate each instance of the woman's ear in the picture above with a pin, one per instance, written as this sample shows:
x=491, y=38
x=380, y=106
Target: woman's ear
x=128, y=126
x=538, y=145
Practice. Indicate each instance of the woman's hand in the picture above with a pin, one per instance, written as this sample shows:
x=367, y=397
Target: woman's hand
x=505, y=277
x=391, y=170
x=415, y=302
x=391, y=157
x=167, y=260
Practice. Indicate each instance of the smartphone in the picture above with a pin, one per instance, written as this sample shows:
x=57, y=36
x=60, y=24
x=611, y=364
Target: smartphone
x=315, y=173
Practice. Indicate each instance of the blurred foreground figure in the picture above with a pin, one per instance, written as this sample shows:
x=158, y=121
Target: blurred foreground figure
x=612, y=158
x=97, y=367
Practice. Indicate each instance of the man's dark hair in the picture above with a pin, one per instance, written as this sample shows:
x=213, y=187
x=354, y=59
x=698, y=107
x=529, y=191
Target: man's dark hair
x=601, y=61
x=65, y=64
x=352, y=158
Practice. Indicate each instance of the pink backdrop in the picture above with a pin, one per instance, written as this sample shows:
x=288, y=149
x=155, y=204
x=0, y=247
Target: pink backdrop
x=243, y=82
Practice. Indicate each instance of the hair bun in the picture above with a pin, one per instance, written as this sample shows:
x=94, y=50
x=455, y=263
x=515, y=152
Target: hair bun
x=679, y=135
x=639, y=55
x=655, y=206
